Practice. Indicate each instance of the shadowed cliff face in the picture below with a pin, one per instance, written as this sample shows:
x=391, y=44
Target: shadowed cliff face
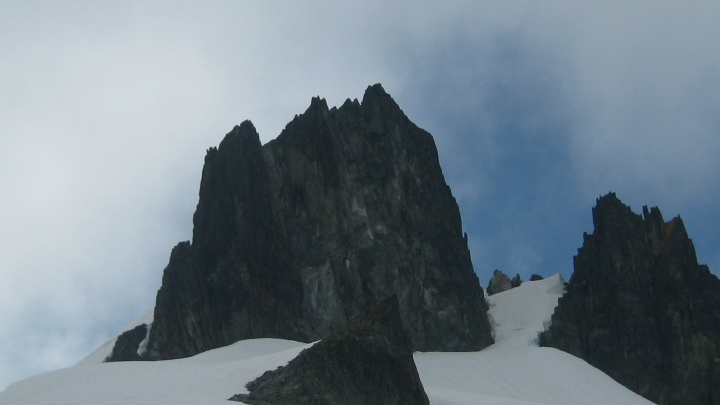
x=641, y=309
x=347, y=207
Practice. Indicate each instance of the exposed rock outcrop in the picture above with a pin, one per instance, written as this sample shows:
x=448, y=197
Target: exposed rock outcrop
x=536, y=277
x=348, y=206
x=516, y=281
x=641, y=309
x=370, y=363
x=498, y=283
x=126, y=345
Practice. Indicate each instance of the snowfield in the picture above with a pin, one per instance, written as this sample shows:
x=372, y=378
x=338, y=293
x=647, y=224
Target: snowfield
x=513, y=371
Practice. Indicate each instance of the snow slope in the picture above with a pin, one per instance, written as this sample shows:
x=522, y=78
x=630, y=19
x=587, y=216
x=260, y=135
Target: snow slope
x=209, y=378
x=513, y=371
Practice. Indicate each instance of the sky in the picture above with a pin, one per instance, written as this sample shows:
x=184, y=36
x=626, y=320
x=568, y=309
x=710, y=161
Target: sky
x=537, y=109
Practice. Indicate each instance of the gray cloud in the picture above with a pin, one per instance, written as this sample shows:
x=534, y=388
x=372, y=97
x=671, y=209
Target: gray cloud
x=538, y=116
x=498, y=108
x=537, y=108
x=649, y=78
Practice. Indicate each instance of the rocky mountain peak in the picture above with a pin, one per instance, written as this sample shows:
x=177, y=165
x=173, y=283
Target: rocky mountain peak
x=346, y=207
x=641, y=309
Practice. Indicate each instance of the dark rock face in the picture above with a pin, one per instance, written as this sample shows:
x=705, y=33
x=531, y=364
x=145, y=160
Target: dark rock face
x=498, y=283
x=536, y=277
x=127, y=344
x=348, y=206
x=641, y=309
x=370, y=363
x=516, y=281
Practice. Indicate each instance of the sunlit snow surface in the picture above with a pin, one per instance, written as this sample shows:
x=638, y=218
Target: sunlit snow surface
x=513, y=371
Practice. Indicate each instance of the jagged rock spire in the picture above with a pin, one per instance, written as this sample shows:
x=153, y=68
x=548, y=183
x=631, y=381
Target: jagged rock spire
x=641, y=309
x=347, y=207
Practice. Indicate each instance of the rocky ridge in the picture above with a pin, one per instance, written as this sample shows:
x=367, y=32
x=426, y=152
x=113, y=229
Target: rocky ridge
x=640, y=308
x=369, y=363
x=348, y=206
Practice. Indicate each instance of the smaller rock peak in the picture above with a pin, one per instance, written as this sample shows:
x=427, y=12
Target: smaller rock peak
x=610, y=212
x=516, y=281
x=653, y=217
x=350, y=103
x=368, y=363
x=374, y=93
x=318, y=104
x=675, y=228
x=653, y=212
x=246, y=130
x=350, y=106
x=377, y=98
x=498, y=283
x=246, y=127
x=608, y=201
x=240, y=135
x=376, y=90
